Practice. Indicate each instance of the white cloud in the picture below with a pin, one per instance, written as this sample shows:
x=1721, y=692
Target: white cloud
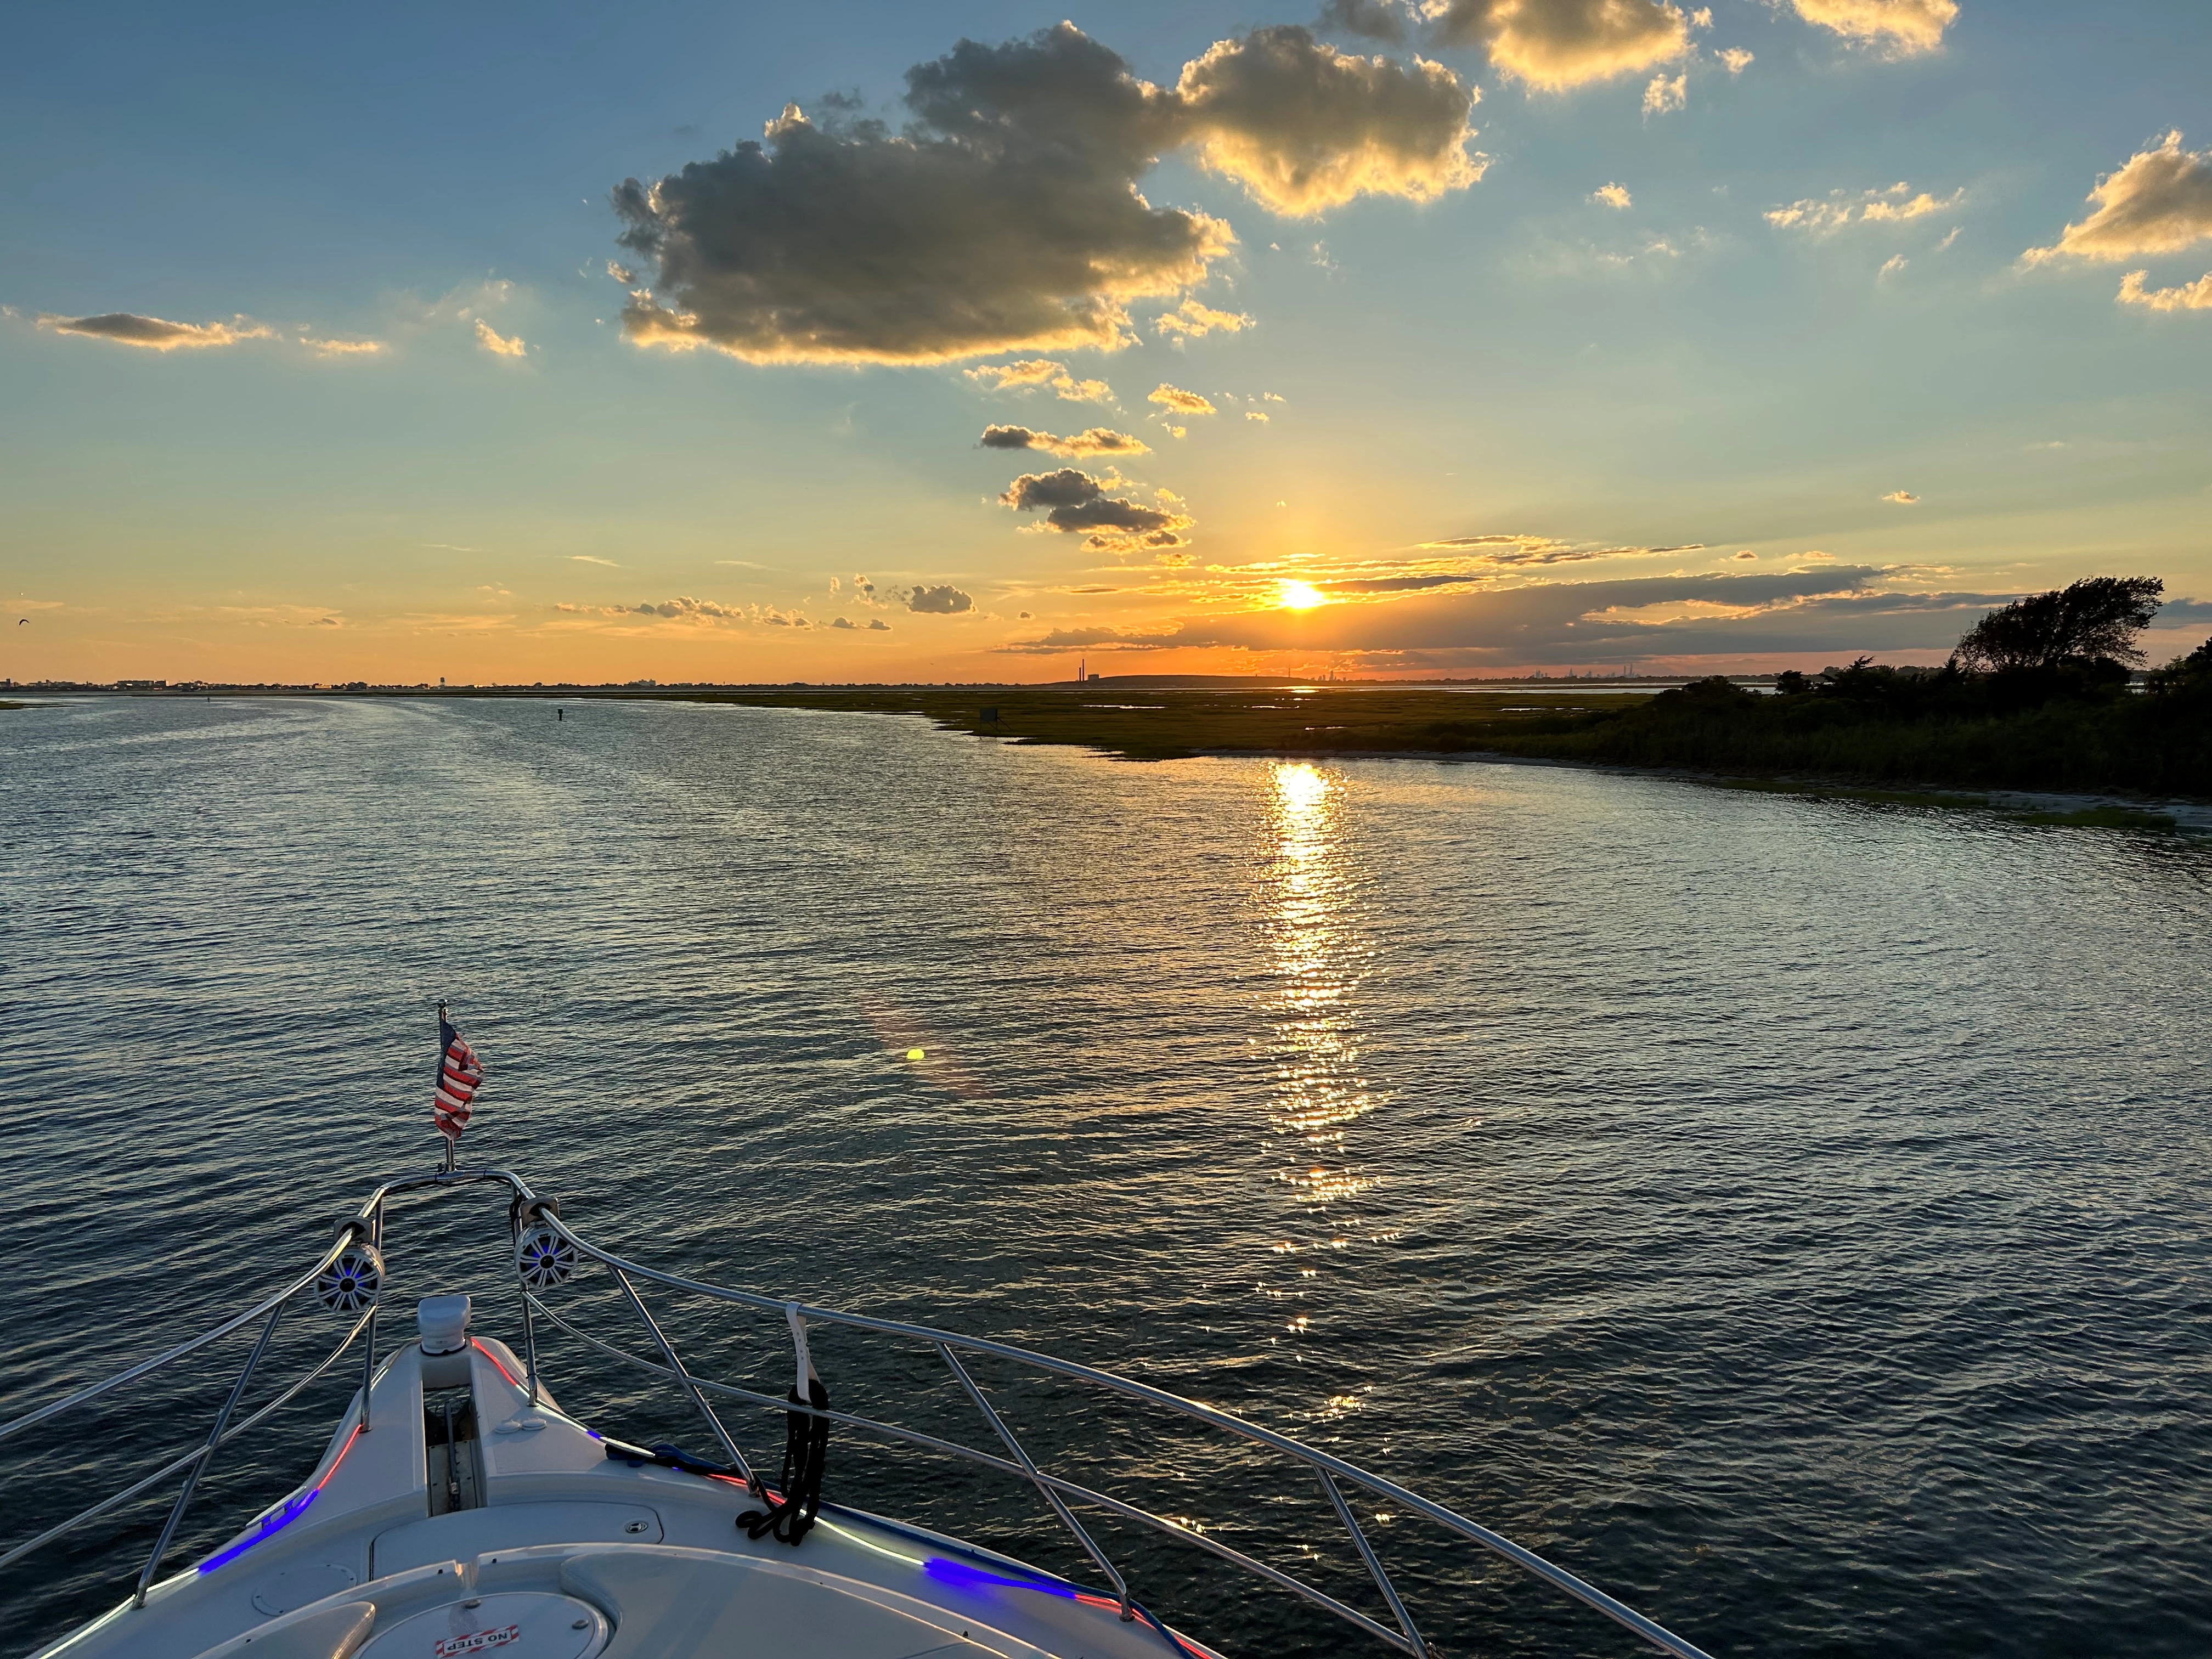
x=1612, y=196
x=1736, y=58
x=1892, y=265
x=341, y=348
x=1895, y=203
x=1901, y=498
x=1664, y=95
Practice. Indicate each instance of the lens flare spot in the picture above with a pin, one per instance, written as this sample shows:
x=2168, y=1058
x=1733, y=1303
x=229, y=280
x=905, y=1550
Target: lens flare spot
x=1301, y=595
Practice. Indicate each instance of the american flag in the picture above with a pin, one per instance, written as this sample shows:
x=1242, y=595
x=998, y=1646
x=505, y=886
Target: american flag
x=460, y=1074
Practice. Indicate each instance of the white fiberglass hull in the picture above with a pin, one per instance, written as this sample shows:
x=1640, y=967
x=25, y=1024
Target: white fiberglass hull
x=568, y=1554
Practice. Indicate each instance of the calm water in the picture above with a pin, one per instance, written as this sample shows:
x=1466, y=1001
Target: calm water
x=1789, y=1215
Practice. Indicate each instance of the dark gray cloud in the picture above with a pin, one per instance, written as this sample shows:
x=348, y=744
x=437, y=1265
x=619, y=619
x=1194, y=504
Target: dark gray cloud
x=1399, y=584
x=1005, y=213
x=1095, y=441
x=681, y=606
x=155, y=333
x=1075, y=503
x=944, y=601
x=1092, y=639
x=1370, y=20
x=1509, y=551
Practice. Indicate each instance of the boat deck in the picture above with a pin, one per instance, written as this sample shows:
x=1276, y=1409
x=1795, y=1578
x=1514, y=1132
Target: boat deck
x=529, y=1538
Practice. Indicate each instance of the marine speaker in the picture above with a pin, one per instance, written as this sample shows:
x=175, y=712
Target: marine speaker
x=350, y=1283
x=544, y=1259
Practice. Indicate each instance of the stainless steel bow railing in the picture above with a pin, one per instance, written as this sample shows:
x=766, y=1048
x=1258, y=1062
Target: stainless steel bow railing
x=529, y=1212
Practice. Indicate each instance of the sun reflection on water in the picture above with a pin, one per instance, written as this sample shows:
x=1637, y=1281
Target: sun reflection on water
x=1318, y=955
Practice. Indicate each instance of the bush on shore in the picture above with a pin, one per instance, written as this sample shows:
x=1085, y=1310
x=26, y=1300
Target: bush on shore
x=2075, y=724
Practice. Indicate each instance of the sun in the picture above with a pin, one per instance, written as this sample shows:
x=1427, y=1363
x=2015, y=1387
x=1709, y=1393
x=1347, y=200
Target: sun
x=1301, y=595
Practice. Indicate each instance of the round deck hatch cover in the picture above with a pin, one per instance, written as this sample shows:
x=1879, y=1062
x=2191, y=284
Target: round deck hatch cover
x=518, y=1624
x=294, y=1587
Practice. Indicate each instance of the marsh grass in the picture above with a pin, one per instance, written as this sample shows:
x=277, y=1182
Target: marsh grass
x=1916, y=755
x=1156, y=724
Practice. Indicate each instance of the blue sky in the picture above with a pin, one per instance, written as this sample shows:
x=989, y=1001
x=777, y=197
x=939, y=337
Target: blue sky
x=1472, y=387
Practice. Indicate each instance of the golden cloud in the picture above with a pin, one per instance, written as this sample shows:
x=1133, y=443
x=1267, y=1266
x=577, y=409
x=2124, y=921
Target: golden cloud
x=1904, y=28
x=2159, y=201
x=1178, y=401
x=500, y=345
x=1192, y=320
x=1304, y=127
x=1040, y=372
x=1557, y=44
x=2190, y=296
x=1097, y=440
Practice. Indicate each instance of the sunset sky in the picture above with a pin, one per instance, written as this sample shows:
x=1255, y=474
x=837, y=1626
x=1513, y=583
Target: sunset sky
x=957, y=341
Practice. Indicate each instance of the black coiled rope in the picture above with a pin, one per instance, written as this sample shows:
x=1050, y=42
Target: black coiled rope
x=790, y=1516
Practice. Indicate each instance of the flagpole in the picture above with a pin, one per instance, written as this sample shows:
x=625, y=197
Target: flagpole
x=441, y=1061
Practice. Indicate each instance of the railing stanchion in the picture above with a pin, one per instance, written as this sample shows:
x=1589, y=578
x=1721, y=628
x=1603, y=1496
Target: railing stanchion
x=737, y=1457
x=1037, y=1479
x=369, y=1355
x=1367, y=1553
x=529, y=1327
x=529, y=1352
x=207, y=1456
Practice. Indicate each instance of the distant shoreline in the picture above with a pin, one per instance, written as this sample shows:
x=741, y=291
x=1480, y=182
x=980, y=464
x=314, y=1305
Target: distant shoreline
x=1600, y=725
